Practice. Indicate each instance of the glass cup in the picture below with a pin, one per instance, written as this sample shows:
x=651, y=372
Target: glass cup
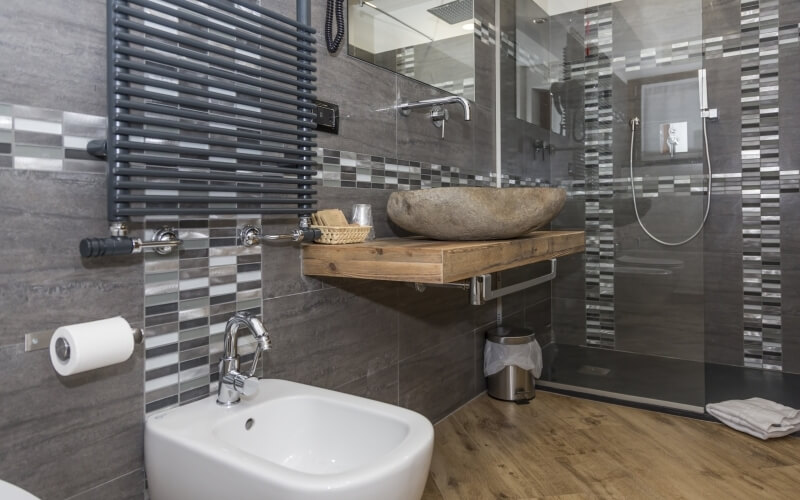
x=362, y=216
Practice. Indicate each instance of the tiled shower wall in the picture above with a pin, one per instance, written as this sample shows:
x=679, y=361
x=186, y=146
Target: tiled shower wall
x=386, y=341
x=739, y=276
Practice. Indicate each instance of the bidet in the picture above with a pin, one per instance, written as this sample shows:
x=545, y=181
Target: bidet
x=289, y=441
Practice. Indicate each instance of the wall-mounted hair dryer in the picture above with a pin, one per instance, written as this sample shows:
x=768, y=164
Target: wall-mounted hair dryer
x=335, y=8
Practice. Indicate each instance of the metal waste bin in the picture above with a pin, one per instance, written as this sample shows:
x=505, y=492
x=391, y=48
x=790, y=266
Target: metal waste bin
x=512, y=383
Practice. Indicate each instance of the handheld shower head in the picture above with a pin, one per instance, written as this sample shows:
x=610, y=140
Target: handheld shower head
x=702, y=83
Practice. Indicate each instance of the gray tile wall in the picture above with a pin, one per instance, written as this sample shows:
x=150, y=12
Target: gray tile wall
x=59, y=429
x=54, y=431
x=64, y=41
x=598, y=174
x=761, y=190
x=419, y=351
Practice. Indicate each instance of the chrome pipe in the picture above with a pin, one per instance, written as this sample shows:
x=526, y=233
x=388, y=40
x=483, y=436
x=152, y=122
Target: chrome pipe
x=251, y=235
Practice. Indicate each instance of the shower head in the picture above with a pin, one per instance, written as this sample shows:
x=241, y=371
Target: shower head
x=457, y=11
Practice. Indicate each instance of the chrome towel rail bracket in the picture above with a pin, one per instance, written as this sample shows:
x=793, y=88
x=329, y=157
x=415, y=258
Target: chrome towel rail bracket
x=162, y=242
x=250, y=235
x=480, y=287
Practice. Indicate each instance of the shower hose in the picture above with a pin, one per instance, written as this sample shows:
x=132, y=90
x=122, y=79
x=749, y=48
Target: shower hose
x=634, y=123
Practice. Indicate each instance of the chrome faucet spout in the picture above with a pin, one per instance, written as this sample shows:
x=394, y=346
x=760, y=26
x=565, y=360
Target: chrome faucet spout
x=406, y=107
x=247, y=320
x=232, y=383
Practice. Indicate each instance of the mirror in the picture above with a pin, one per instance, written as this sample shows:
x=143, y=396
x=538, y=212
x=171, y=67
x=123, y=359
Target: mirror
x=533, y=61
x=428, y=40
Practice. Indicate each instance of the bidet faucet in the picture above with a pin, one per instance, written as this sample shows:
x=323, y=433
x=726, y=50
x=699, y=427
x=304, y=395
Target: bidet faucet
x=232, y=383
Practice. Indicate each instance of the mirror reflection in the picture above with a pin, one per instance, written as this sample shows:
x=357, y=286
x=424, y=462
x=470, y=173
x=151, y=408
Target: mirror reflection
x=533, y=59
x=429, y=40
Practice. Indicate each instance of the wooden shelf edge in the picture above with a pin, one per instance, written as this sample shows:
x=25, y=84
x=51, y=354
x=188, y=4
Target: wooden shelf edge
x=427, y=261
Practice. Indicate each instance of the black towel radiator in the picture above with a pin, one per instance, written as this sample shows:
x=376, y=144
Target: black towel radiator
x=211, y=111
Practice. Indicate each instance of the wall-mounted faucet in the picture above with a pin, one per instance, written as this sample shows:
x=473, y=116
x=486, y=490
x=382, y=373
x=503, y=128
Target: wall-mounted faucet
x=232, y=383
x=541, y=146
x=439, y=114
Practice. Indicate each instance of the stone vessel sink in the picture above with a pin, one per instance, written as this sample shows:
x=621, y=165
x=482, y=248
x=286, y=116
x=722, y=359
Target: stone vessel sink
x=475, y=213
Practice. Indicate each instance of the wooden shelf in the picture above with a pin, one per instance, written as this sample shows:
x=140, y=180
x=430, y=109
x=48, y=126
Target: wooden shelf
x=428, y=261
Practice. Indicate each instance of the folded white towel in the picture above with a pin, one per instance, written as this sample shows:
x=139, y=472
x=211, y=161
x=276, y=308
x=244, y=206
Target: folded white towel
x=758, y=417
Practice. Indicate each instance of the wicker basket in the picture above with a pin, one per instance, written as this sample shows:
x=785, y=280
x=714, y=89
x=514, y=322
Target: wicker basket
x=341, y=235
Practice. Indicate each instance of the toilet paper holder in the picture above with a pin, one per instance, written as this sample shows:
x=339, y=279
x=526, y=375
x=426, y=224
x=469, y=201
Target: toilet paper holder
x=41, y=340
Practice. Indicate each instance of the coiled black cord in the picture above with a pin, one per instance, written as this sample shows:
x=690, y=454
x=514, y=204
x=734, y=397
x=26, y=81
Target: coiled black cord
x=333, y=42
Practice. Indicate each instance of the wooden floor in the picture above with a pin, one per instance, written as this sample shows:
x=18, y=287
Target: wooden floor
x=563, y=447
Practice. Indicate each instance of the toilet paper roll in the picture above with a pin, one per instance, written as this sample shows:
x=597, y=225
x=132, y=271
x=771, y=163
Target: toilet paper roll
x=92, y=345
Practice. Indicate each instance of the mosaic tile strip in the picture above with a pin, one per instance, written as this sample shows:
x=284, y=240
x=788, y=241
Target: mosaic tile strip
x=508, y=46
x=691, y=51
x=599, y=178
x=357, y=170
x=485, y=32
x=761, y=221
x=44, y=139
x=404, y=60
x=788, y=181
x=189, y=297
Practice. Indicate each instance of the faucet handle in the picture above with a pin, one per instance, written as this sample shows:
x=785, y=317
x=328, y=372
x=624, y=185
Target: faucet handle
x=439, y=115
x=246, y=385
x=241, y=383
